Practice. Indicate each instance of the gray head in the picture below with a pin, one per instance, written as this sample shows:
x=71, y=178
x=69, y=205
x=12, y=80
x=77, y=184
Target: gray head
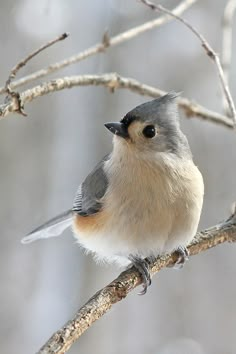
x=153, y=126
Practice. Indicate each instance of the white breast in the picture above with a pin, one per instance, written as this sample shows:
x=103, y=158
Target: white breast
x=153, y=206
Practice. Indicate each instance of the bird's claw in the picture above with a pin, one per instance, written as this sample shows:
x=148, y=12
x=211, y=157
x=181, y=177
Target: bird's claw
x=183, y=257
x=143, y=268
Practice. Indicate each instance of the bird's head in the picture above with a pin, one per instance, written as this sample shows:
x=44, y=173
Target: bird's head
x=152, y=127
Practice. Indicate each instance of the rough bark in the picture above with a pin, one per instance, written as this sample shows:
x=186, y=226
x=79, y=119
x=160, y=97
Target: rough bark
x=128, y=280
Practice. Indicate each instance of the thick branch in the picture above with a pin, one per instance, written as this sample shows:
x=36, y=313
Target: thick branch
x=112, y=81
x=117, y=290
x=101, y=47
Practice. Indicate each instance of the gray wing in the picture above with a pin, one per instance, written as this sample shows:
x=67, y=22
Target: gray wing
x=87, y=199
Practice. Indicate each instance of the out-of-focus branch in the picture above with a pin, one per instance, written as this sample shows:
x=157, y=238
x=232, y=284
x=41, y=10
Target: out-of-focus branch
x=101, y=47
x=24, y=61
x=209, y=50
x=117, y=290
x=227, y=43
x=15, y=96
x=112, y=81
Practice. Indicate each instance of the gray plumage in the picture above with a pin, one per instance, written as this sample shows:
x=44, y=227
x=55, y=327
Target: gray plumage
x=144, y=198
x=163, y=112
x=87, y=199
x=160, y=111
x=53, y=227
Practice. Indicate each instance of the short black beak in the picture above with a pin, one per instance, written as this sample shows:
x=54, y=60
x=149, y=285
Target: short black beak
x=118, y=128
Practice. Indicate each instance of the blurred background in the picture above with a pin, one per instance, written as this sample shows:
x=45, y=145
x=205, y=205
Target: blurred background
x=47, y=154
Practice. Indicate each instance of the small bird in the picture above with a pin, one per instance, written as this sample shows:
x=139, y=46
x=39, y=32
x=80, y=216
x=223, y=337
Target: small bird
x=142, y=200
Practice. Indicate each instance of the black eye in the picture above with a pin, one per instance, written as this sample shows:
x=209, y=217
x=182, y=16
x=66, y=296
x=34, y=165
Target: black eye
x=149, y=131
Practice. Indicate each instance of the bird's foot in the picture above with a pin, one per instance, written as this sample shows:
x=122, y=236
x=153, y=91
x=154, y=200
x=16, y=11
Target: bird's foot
x=183, y=257
x=143, y=268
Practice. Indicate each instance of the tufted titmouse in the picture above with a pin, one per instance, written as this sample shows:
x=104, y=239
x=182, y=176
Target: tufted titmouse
x=142, y=200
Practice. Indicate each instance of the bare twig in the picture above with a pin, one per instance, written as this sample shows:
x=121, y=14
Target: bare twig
x=15, y=96
x=227, y=42
x=24, y=61
x=209, y=50
x=101, y=47
x=112, y=81
x=117, y=290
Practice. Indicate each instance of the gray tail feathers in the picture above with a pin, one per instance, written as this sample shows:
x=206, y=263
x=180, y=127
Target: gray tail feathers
x=51, y=228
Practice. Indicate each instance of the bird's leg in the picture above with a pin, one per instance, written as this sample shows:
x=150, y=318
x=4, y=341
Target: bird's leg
x=143, y=268
x=183, y=256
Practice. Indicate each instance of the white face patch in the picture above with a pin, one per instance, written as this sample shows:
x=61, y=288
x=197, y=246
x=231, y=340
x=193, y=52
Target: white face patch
x=136, y=131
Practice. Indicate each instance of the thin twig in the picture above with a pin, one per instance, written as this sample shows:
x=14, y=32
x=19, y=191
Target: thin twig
x=112, y=81
x=117, y=290
x=101, y=47
x=227, y=43
x=14, y=96
x=209, y=50
x=24, y=61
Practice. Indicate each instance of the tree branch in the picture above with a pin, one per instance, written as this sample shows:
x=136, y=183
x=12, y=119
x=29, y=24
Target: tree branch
x=24, y=61
x=15, y=96
x=118, y=289
x=101, y=47
x=112, y=81
x=227, y=43
x=209, y=50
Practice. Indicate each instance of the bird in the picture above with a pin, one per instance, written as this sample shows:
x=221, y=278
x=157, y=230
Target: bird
x=142, y=200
